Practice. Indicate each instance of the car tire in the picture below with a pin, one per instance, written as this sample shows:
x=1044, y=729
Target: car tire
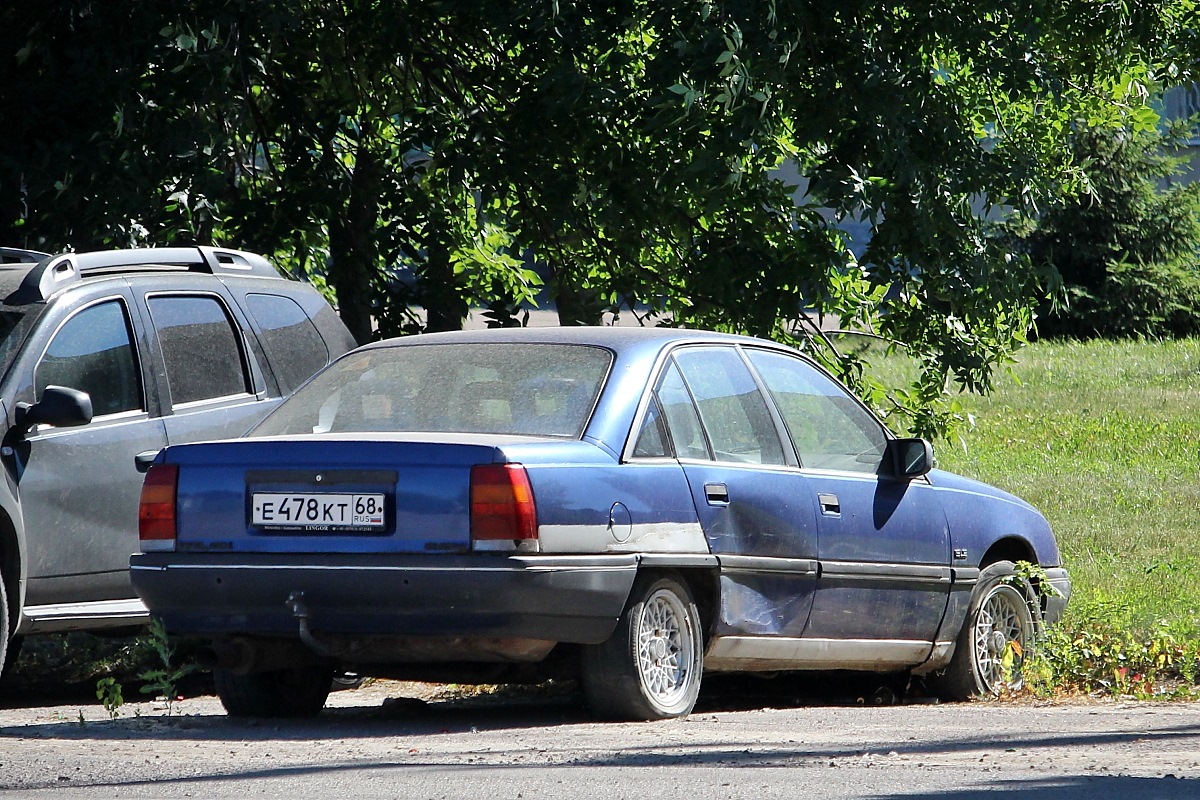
x=650, y=668
x=295, y=692
x=8, y=658
x=1000, y=618
x=5, y=644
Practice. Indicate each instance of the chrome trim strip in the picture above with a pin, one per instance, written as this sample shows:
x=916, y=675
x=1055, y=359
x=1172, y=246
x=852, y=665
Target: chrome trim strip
x=524, y=567
x=855, y=570
x=678, y=560
x=765, y=652
x=789, y=566
x=131, y=609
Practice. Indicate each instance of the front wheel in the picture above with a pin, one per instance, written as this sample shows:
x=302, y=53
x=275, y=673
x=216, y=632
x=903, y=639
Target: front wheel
x=995, y=638
x=650, y=667
x=295, y=692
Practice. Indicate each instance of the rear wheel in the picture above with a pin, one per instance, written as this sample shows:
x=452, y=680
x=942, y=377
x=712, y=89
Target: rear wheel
x=295, y=692
x=995, y=639
x=650, y=668
x=4, y=637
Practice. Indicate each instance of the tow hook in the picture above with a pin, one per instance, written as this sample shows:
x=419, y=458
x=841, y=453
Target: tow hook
x=295, y=602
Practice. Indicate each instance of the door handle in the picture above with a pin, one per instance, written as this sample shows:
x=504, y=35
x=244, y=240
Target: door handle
x=716, y=493
x=829, y=504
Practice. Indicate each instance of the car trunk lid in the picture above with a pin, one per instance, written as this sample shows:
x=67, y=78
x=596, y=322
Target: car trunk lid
x=328, y=494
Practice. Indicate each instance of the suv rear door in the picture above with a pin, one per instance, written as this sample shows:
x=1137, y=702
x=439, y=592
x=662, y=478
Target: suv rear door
x=210, y=376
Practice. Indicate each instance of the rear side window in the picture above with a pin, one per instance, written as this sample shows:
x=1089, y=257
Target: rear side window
x=200, y=347
x=93, y=352
x=504, y=388
x=682, y=419
x=294, y=347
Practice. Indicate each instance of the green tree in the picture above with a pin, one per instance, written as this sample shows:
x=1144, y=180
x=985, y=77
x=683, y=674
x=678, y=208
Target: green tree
x=633, y=150
x=1127, y=250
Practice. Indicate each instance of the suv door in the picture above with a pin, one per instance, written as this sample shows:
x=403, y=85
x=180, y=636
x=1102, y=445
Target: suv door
x=211, y=383
x=79, y=487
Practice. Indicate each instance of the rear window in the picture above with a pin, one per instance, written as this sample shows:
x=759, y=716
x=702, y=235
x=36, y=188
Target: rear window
x=503, y=388
x=292, y=343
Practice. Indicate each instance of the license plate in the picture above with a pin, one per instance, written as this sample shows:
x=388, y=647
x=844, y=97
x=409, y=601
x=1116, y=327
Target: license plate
x=317, y=512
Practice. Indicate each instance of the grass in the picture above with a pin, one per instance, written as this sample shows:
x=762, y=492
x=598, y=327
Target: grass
x=1104, y=438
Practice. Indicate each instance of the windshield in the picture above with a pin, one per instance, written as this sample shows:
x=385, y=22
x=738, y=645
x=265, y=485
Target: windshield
x=505, y=388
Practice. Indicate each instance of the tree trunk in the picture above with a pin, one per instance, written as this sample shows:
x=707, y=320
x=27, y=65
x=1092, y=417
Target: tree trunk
x=445, y=308
x=576, y=306
x=352, y=250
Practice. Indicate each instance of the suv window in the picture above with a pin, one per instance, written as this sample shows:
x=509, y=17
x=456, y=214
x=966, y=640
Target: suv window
x=201, y=352
x=93, y=352
x=294, y=347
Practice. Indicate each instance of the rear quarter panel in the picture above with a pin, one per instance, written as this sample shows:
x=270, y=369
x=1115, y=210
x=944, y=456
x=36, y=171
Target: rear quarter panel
x=588, y=502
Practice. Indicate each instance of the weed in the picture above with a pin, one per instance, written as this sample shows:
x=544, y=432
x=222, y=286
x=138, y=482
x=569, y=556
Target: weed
x=1091, y=656
x=163, y=680
x=108, y=692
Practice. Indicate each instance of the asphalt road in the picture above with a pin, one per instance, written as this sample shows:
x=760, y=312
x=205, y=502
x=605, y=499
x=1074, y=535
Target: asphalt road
x=391, y=740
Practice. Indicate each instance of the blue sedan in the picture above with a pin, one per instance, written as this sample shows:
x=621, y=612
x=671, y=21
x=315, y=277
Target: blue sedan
x=628, y=507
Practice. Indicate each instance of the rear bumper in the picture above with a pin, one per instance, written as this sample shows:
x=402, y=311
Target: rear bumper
x=553, y=598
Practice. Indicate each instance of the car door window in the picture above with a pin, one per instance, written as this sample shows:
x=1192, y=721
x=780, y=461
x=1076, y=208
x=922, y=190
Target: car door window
x=93, y=352
x=828, y=427
x=294, y=347
x=200, y=346
x=733, y=411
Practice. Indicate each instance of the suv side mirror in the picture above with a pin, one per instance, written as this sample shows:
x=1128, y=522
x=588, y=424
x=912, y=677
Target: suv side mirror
x=60, y=406
x=911, y=458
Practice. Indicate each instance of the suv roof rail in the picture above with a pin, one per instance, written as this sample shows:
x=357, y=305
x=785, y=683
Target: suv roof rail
x=15, y=255
x=53, y=273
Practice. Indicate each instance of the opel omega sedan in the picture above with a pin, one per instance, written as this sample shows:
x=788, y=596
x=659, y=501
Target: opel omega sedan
x=629, y=507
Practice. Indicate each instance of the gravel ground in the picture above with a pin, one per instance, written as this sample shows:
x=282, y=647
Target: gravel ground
x=413, y=740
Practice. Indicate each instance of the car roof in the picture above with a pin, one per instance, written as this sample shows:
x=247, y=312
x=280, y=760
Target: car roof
x=614, y=337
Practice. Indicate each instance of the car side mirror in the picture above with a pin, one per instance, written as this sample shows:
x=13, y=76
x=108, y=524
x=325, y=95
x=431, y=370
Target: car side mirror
x=911, y=458
x=60, y=406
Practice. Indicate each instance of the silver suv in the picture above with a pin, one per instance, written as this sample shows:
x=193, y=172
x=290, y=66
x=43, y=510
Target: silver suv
x=106, y=358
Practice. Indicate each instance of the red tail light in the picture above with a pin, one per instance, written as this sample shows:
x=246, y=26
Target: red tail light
x=156, y=515
x=503, y=515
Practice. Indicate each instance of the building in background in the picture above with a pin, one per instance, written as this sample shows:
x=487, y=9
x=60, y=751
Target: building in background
x=1183, y=102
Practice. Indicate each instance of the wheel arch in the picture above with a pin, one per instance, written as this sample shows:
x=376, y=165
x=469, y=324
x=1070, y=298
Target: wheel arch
x=10, y=568
x=704, y=585
x=1010, y=548
x=701, y=579
x=699, y=573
